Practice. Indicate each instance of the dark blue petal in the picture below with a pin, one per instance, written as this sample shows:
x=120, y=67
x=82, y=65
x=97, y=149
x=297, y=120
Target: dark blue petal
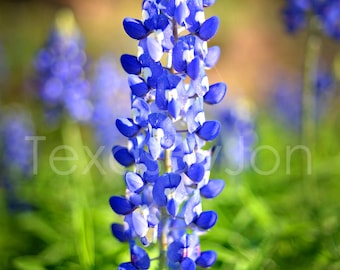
x=123, y=156
x=138, y=86
x=208, y=3
x=127, y=266
x=172, y=181
x=134, y=182
x=206, y=220
x=152, y=167
x=134, y=28
x=121, y=205
x=193, y=68
x=130, y=64
x=212, y=56
x=127, y=127
x=212, y=189
x=158, y=194
x=175, y=251
x=188, y=264
x=174, y=108
x=196, y=172
x=177, y=57
x=171, y=207
x=209, y=130
x=206, y=259
x=119, y=231
x=139, y=258
x=209, y=28
x=216, y=93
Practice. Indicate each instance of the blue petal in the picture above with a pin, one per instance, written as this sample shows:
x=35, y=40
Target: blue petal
x=152, y=167
x=155, y=49
x=175, y=251
x=123, y=156
x=188, y=264
x=193, y=68
x=208, y=3
x=212, y=56
x=173, y=180
x=181, y=13
x=127, y=266
x=134, y=28
x=216, y=93
x=154, y=148
x=121, y=205
x=130, y=64
x=206, y=220
x=134, y=182
x=209, y=28
x=169, y=138
x=171, y=207
x=142, y=108
x=138, y=86
x=206, y=259
x=177, y=57
x=158, y=193
x=119, y=231
x=139, y=258
x=212, y=189
x=196, y=172
x=127, y=127
x=140, y=225
x=174, y=108
x=209, y=130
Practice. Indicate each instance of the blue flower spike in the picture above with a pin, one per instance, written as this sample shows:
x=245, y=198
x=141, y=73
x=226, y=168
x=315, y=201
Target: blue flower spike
x=166, y=155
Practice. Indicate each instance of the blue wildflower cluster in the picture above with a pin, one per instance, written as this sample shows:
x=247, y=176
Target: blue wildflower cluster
x=107, y=100
x=16, y=152
x=170, y=169
x=61, y=68
x=296, y=14
x=237, y=145
x=289, y=95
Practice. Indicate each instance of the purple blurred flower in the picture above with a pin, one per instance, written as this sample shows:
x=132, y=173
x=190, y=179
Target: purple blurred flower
x=16, y=162
x=61, y=68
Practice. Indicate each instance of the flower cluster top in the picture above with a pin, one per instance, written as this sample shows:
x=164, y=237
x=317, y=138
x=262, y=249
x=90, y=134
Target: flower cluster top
x=296, y=13
x=169, y=169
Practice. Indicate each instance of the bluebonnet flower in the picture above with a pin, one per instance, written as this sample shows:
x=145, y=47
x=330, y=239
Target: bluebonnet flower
x=287, y=99
x=108, y=100
x=296, y=14
x=169, y=170
x=61, y=71
x=16, y=161
x=238, y=122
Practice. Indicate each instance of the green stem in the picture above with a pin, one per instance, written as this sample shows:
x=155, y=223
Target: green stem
x=80, y=184
x=308, y=96
x=308, y=133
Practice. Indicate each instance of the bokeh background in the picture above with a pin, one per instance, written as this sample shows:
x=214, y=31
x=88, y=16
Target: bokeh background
x=273, y=214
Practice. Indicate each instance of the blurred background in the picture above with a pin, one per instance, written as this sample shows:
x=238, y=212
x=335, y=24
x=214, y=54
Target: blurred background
x=280, y=207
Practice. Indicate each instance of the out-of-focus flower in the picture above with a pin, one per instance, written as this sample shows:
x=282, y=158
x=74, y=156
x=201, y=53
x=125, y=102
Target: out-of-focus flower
x=167, y=131
x=287, y=99
x=108, y=100
x=61, y=67
x=296, y=14
x=16, y=161
x=240, y=136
